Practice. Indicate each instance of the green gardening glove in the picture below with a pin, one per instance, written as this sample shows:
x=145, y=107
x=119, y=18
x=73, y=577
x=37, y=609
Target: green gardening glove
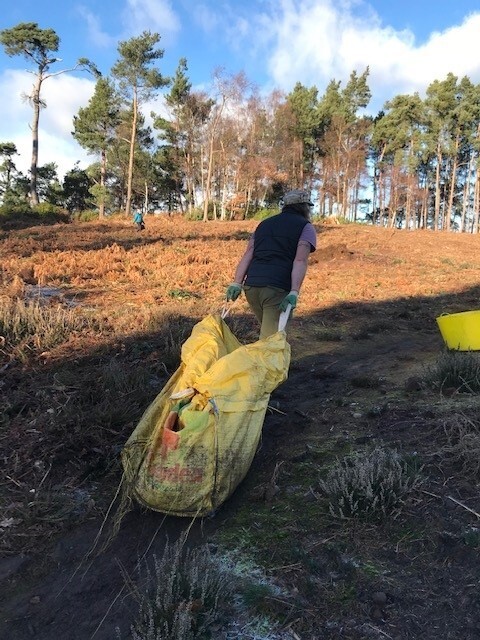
x=291, y=299
x=233, y=291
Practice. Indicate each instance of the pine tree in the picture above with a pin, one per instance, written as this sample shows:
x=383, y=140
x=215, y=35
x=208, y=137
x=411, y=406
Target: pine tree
x=95, y=129
x=138, y=81
x=37, y=46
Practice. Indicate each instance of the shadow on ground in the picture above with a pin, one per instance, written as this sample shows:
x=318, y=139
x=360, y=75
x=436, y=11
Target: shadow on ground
x=49, y=596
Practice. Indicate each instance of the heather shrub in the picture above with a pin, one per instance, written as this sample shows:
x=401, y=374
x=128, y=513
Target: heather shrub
x=87, y=215
x=455, y=370
x=48, y=209
x=369, y=485
x=462, y=447
x=185, y=592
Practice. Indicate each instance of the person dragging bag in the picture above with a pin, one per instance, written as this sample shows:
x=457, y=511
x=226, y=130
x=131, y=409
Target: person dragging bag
x=273, y=267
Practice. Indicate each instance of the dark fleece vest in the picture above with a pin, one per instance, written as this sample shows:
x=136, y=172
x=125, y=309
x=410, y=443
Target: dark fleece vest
x=274, y=251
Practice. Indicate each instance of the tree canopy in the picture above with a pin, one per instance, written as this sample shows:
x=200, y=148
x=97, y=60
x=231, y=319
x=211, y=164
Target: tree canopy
x=229, y=151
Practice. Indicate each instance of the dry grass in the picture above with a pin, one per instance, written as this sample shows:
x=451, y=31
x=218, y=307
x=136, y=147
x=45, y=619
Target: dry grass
x=172, y=256
x=108, y=265
x=27, y=327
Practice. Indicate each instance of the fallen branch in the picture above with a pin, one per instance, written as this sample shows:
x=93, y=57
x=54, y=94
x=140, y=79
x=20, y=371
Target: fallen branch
x=429, y=493
x=276, y=410
x=379, y=631
x=464, y=506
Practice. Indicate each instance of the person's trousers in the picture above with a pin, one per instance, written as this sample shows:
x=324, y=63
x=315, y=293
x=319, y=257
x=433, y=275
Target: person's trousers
x=264, y=302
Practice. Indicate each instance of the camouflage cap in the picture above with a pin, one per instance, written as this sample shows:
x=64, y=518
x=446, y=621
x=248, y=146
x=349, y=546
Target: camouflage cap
x=297, y=196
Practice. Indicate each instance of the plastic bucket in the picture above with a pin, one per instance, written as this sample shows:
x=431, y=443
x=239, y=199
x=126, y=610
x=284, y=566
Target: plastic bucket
x=461, y=331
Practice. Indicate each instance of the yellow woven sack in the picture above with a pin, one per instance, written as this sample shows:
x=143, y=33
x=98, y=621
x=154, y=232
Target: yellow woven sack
x=187, y=455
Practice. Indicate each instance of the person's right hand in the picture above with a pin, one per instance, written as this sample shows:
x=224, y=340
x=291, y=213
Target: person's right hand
x=233, y=291
x=291, y=300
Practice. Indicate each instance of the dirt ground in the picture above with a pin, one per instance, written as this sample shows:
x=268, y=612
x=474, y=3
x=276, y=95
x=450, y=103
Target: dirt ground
x=363, y=340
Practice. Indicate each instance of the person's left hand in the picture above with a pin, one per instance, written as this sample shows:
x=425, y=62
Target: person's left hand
x=291, y=300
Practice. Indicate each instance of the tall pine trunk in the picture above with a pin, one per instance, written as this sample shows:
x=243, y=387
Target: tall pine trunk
x=437, y=188
x=453, y=184
x=133, y=137
x=103, y=173
x=34, y=161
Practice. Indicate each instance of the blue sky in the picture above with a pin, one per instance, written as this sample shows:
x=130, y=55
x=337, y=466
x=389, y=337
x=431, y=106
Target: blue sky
x=405, y=43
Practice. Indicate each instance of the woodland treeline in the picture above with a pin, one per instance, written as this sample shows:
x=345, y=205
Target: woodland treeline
x=232, y=152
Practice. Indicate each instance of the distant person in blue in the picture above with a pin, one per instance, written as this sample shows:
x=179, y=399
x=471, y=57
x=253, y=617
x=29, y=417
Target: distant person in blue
x=272, y=269
x=138, y=220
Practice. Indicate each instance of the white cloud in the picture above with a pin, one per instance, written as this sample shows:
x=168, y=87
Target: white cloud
x=137, y=16
x=315, y=41
x=156, y=16
x=448, y=51
x=64, y=95
x=96, y=35
x=206, y=18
